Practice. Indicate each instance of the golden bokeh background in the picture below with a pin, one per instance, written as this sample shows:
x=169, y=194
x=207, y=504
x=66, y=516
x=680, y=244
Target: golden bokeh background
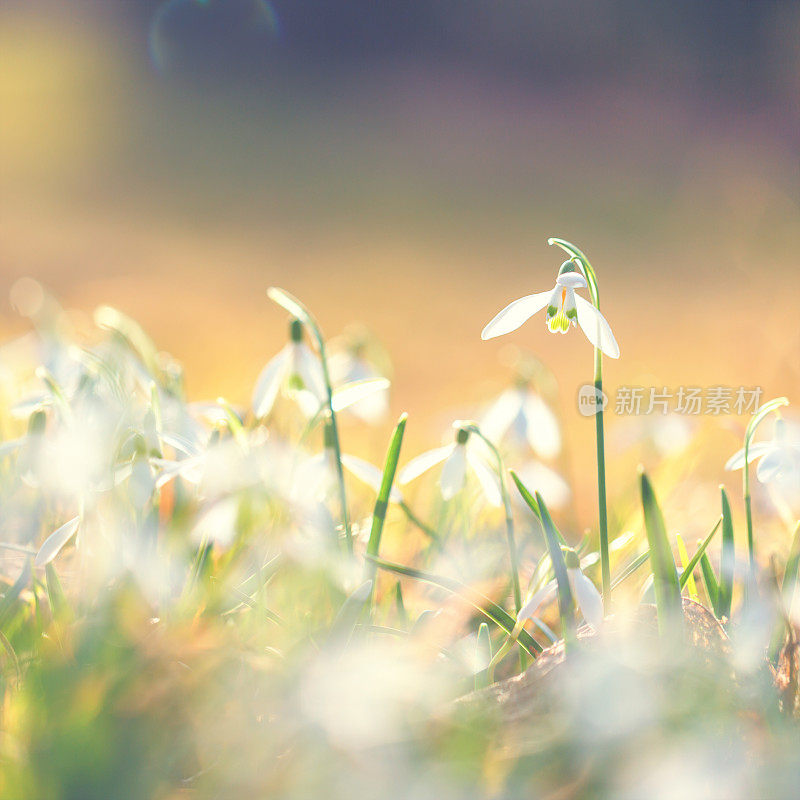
x=412, y=188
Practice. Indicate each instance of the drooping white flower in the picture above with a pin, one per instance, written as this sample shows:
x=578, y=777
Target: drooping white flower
x=778, y=459
x=294, y=367
x=350, y=366
x=521, y=414
x=458, y=457
x=564, y=307
x=584, y=592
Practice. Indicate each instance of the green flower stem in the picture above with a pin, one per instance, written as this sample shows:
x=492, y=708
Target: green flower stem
x=297, y=309
x=605, y=563
x=512, y=544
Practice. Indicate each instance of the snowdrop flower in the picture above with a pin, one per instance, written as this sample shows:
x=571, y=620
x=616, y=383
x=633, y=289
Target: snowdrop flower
x=564, y=307
x=583, y=590
x=295, y=367
x=457, y=458
x=521, y=414
x=350, y=365
x=778, y=459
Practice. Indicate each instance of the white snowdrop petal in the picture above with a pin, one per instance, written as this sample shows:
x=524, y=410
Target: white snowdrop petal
x=594, y=325
x=542, y=428
x=736, y=461
x=501, y=414
x=571, y=280
x=588, y=598
x=310, y=371
x=454, y=472
x=356, y=391
x=423, y=462
x=487, y=479
x=536, y=600
x=55, y=541
x=269, y=383
x=369, y=474
x=515, y=314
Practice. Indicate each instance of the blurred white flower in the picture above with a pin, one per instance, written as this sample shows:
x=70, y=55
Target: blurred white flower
x=778, y=459
x=349, y=366
x=522, y=415
x=564, y=309
x=296, y=368
x=584, y=591
x=550, y=485
x=457, y=458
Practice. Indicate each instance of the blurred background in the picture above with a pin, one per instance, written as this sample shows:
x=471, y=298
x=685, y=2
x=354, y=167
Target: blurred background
x=402, y=165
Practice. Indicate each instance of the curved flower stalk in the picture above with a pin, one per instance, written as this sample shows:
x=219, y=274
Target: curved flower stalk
x=584, y=591
x=746, y=455
x=300, y=312
x=522, y=415
x=567, y=309
x=296, y=368
x=459, y=458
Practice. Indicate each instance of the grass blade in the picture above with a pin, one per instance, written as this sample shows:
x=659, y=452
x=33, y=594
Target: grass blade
x=710, y=582
x=566, y=604
x=479, y=602
x=727, y=559
x=665, y=578
x=382, y=501
x=631, y=568
x=697, y=557
x=686, y=578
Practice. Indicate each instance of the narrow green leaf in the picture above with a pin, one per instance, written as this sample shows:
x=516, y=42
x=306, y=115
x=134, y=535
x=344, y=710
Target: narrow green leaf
x=710, y=582
x=479, y=602
x=686, y=578
x=400, y=605
x=631, y=568
x=665, y=578
x=382, y=501
x=55, y=593
x=697, y=557
x=789, y=581
x=529, y=499
x=566, y=606
x=727, y=559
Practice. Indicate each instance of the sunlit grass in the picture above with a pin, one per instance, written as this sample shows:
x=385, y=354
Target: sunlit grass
x=215, y=600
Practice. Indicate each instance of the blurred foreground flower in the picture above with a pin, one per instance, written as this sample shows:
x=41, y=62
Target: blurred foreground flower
x=457, y=458
x=564, y=308
x=295, y=368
